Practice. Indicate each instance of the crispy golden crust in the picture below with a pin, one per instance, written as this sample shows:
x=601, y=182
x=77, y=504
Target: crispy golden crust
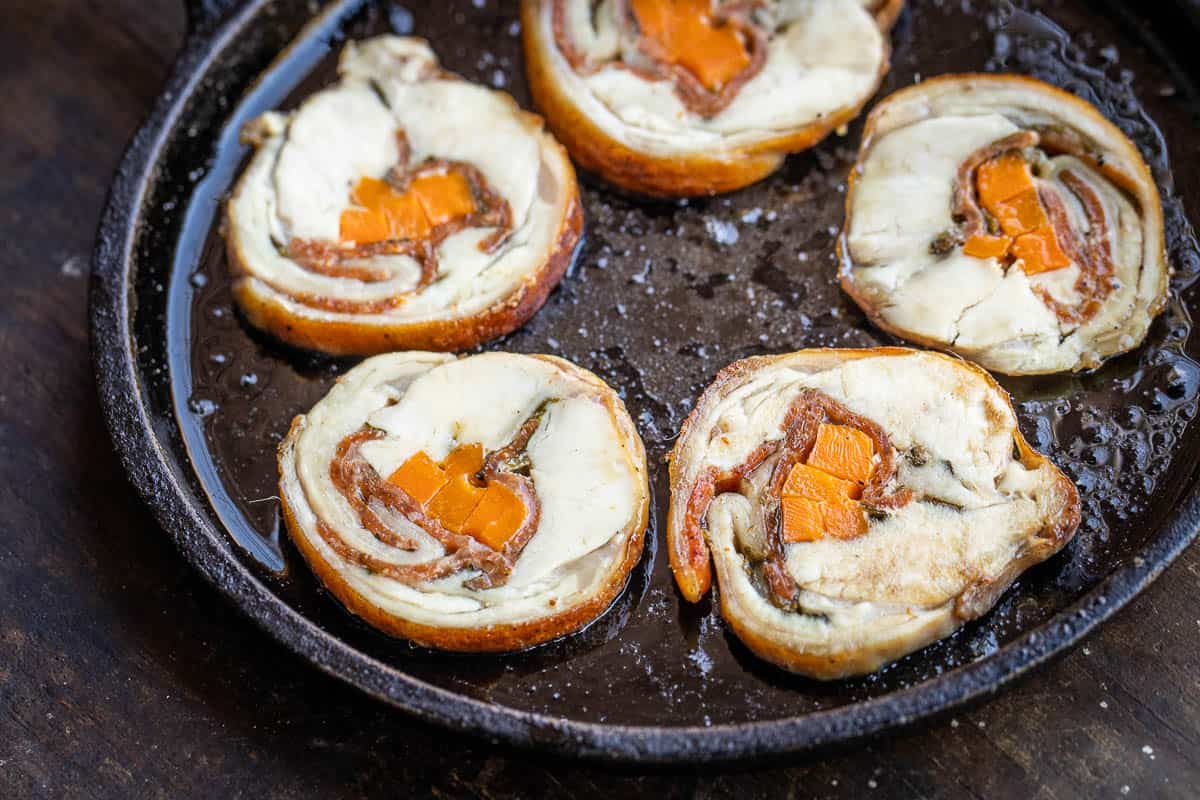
x=887, y=12
x=695, y=174
x=694, y=577
x=492, y=638
x=344, y=336
x=841, y=664
x=875, y=312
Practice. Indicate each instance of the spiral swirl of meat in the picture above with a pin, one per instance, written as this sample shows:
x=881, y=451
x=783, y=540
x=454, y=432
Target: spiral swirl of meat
x=1007, y=221
x=693, y=97
x=401, y=207
x=488, y=503
x=857, y=504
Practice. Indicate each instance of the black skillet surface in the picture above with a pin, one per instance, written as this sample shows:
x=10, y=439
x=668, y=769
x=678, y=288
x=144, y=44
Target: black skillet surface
x=661, y=296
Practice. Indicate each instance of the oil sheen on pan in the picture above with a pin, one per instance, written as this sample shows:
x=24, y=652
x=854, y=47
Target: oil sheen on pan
x=659, y=299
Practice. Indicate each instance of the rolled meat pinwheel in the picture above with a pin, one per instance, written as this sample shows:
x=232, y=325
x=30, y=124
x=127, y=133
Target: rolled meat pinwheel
x=692, y=97
x=857, y=504
x=1006, y=220
x=401, y=207
x=488, y=503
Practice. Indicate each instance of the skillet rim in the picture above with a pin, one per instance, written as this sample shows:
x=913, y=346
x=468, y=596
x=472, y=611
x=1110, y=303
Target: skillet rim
x=158, y=476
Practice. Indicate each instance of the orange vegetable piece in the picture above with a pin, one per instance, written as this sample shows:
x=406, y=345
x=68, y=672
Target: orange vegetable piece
x=808, y=481
x=844, y=519
x=1002, y=179
x=363, y=225
x=1007, y=191
x=1039, y=251
x=444, y=197
x=684, y=33
x=405, y=216
x=447, y=493
x=984, y=246
x=843, y=452
x=1021, y=213
x=807, y=519
x=466, y=459
x=819, y=498
x=380, y=213
x=420, y=478
x=803, y=520
x=497, y=518
x=453, y=505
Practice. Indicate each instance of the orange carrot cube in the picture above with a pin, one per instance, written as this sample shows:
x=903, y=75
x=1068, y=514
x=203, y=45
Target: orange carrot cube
x=405, y=215
x=816, y=484
x=466, y=459
x=683, y=32
x=454, y=504
x=984, y=246
x=802, y=520
x=497, y=518
x=443, y=197
x=420, y=478
x=1039, y=251
x=845, y=453
x=1003, y=178
x=844, y=519
x=1021, y=213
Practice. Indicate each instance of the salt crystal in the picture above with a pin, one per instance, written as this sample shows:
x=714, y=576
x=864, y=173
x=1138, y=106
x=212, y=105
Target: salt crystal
x=722, y=232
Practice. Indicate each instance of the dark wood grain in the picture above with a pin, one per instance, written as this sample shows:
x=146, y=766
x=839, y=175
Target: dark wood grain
x=122, y=674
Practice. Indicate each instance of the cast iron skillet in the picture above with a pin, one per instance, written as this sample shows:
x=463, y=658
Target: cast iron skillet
x=661, y=296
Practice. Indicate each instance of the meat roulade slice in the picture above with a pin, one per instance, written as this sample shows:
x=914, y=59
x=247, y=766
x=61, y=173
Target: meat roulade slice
x=400, y=208
x=691, y=97
x=1006, y=220
x=488, y=503
x=858, y=504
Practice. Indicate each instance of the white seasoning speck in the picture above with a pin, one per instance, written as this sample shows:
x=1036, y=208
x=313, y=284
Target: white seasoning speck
x=72, y=267
x=721, y=232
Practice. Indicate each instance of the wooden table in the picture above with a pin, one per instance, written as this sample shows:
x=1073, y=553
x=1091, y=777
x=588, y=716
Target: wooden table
x=122, y=674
